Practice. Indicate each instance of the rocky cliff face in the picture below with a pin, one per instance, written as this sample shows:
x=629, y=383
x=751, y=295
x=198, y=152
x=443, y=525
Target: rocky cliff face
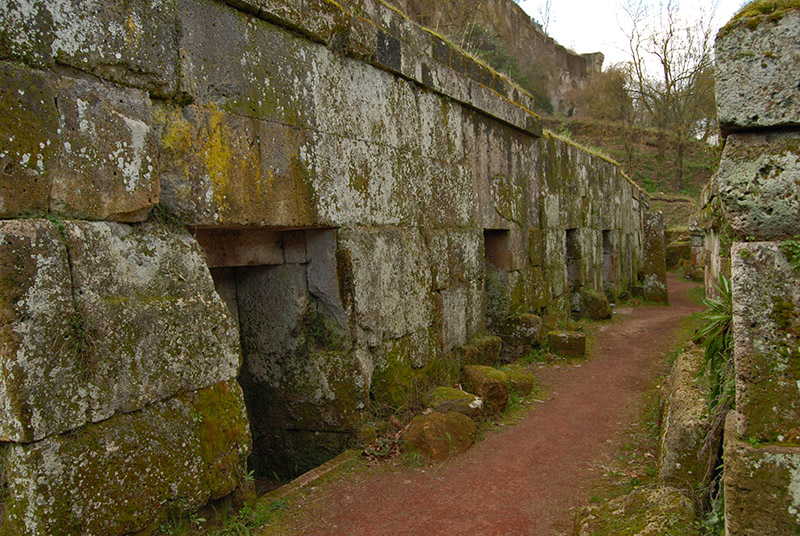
x=549, y=67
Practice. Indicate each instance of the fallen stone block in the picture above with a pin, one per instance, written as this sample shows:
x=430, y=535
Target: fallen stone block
x=447, y=399
x=488, y=383
x=520, y=330
x=439, y=436
x=595, y=305
x=567, y=343
x=520, y=379
x=481, y=351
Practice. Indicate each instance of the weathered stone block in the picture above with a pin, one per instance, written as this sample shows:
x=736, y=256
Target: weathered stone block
x=759, y=184
x=567, y=343
x=223, y=169
x=520, y=379
x=685, y=426
x=488, y=383
x=108, y=168
x=40, y=348
x=136, y=320
x=766, y=331
x=653, y=273
x=260, y=83
x=523, y=330
x=31, y=136
x=115, y=477
x=132, y=43
x=755, y=71
x=760, y=487
x=439, y=436
x=447, y=399
x=595, y=305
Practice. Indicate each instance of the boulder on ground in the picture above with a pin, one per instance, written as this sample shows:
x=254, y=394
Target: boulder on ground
x=520, y=379
x=520, y=330
x=567, y=343
x=446, y=399
x=488, y=383
x=595, y=305
x=439, y=436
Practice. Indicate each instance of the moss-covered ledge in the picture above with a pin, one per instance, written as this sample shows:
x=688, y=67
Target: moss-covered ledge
x=372, y=31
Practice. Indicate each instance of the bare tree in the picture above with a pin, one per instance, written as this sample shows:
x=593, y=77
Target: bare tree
x=545, y=11
x=672, y=65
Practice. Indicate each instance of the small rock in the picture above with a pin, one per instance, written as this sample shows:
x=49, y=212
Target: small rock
x=567, y=343
x=488, y=383
x=439, y=436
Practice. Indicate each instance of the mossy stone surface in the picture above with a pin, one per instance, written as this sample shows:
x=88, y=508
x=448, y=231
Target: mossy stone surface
x=40, y=350
x=108, y=165
x=520, y=379
x=766, y=332
x=446, y=399
x=595, y=305
x=121, y=475
x=28, y=155
x=567, y=343
x=488, y=383
x=439, y=436
x=653, y=273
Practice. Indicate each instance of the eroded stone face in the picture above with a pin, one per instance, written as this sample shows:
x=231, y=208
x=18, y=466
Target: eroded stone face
x=759, y=184
x=766, y=331
x=108, y=167
x=40, y=350
x=756, y=73
x=102, y=318
x=29, y=140
x=654, y=269
x=762, y=487
x=107, y=478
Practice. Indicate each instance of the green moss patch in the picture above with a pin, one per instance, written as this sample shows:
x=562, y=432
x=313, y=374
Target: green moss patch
x=754, y=13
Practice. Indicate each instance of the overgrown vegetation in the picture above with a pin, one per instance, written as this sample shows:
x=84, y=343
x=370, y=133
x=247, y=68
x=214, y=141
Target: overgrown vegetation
x=715, y=334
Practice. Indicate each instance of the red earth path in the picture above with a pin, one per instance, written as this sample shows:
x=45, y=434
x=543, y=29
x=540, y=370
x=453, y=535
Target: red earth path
x=526, y=479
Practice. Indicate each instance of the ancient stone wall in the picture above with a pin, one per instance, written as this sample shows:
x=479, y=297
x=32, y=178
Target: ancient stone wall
x=538, y=55
x=321, y=202
x=759, y=109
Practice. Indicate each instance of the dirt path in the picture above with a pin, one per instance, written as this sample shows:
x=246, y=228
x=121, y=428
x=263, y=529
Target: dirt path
x=526, y=479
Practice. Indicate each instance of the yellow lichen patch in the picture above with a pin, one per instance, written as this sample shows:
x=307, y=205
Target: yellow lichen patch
x=216, y=154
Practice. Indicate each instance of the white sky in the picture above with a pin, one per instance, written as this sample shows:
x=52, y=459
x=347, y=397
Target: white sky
x=593, y=25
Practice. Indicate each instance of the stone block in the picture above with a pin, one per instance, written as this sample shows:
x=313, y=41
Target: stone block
x=522, y=330
x=260, y=83
x=595, y=305
x=108, y=168
x=567, y=343
x=136, y=320
x=447, y=399
x=132, y=43
x=40, y=379
x=682, y=462
x=756, y=60
x=766, y=332
x=760, y=487
x=439, y=436
x=653, y=273
x=759, y=184
x=219, y=168
x=488, y=383
x=31, y=140
x=120, y=476
x=520, y=379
